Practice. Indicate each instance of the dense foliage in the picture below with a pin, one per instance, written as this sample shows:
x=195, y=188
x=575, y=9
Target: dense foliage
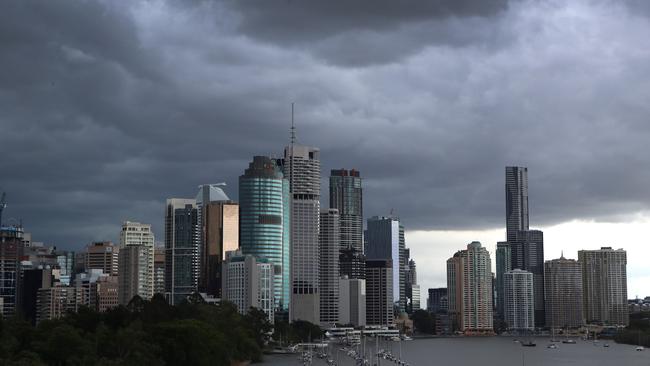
x=143, y=333
x=424, y=322
x=296, y=332
x=638, y=332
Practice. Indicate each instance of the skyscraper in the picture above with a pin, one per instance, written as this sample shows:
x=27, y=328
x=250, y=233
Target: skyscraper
x=330, y=243
x=181, y=249
x=604, y=279
x=301, y=165
x=379, y=292
x=519, y=310
x=504, y=263
x=385, y=241
x=218, y=222
x=347, y=196
x=563, y=283
x=516, y=201
x=527, y=253
x=469, y=287
x=139, y=262
x=264, y=225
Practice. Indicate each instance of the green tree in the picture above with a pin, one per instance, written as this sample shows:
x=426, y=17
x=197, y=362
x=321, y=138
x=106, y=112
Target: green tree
x=424, y=322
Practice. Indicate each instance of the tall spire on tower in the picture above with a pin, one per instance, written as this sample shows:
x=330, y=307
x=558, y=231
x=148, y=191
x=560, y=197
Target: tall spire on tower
x=293, y=127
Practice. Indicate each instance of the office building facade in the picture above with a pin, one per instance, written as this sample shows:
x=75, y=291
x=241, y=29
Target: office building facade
x=352, y=304
x=516, y=201
x=346, y=195
x=181, y=249
x=102, y=255
x=301, y=166
x=437, y=300
x=265, y=222
x=379, y=292
x=218, y=222
x=385, y=241
x=330, y=243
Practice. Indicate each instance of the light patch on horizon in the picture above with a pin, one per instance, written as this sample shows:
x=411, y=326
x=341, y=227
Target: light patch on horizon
x=431, y=249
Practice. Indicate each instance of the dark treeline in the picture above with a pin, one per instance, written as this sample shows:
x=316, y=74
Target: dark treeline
x=638, y=332
x=142, y=333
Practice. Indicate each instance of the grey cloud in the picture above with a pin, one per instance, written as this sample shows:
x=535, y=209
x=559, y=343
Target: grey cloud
x=357, y=33
x=105, y=118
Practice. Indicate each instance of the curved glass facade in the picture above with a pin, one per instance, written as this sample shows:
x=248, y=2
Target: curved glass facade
x=264, y=225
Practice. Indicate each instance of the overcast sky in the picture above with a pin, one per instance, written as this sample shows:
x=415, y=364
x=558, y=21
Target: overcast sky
x=107, y=108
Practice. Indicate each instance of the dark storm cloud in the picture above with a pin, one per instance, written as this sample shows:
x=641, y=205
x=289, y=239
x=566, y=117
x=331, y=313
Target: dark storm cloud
x=362, y=32
x=109, y=108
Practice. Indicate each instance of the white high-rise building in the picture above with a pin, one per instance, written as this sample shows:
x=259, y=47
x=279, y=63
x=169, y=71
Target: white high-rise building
x=140, y=262
x=519, y=306
x=604, y=279
x=248, y=282
x=301, y=166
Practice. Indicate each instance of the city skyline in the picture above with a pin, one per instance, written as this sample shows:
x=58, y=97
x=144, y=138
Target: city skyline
x=430, y=123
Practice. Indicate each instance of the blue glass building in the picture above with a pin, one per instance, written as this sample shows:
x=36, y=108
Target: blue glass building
x=264, y=224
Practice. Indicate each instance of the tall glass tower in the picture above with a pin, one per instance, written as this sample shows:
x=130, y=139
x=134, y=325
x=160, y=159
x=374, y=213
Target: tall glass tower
x=346, y=196
x=516, y=201
x=265, y=223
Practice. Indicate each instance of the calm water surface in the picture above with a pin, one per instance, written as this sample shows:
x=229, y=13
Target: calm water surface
x=496, y=351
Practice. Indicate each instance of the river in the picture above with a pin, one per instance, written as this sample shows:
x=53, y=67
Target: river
x=490, y=351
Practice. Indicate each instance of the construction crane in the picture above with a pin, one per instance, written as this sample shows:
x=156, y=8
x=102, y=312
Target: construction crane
x=3, y=204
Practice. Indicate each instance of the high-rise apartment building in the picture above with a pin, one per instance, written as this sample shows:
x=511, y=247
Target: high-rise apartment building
x=469, y=287
x=385, y=241
x=301, y=166
x=516, y=201
x=102, y=255
x=519, y=309
x=136, y=265
x=181, y=249
x=11, y=249
x=379, y=292
x=65, y=261
x=330, y=243
x=504, y=263
x=218, y=223
x=264, y=225
x=604, y=279
x=564, y=297
x=248, y=282
x=346, y=195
